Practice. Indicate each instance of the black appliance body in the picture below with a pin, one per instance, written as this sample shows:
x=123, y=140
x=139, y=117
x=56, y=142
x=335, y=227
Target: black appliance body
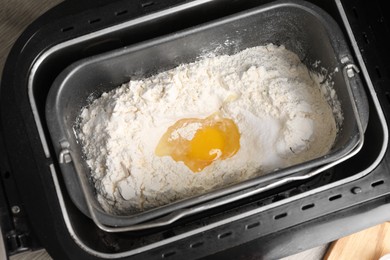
x=37, y=212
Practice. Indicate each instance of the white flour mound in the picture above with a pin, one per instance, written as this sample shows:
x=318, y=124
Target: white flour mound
x=281, y=110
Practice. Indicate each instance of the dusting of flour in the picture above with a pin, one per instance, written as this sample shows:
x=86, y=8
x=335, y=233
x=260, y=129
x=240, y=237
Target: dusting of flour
x=281, y=109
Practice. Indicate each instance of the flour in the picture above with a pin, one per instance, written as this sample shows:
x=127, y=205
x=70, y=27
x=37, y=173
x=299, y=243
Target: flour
x=284, y=115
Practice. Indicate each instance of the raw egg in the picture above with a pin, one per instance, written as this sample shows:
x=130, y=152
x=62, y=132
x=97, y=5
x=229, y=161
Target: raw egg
x=200, y=142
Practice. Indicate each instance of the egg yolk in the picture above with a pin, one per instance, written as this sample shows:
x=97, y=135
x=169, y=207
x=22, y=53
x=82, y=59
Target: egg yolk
x=200, y=142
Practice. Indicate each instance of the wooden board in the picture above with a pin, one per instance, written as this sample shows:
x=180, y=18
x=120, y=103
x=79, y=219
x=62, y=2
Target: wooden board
x=369, y=244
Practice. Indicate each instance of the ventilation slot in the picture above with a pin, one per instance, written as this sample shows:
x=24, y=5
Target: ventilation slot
x=168, y=254
x=335, y=197
x=260, y=203
x=66, y=29
x=119, y=13
x=377, y=183
x=94, y=21
x=278, y=198
x=253, y=225
x=378, y=72
x=147, y=4
x=6, y=175
x=197, y=244
x=168, y=234
x=283, y=215
x=308, y=206
x=225, y=235
x=355, y=12
x=388, y=96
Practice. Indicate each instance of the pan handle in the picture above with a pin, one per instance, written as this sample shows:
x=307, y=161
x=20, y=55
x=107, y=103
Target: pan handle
x=349, y=71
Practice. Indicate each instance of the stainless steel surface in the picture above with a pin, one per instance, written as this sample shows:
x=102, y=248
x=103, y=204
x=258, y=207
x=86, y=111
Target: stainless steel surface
x=64, y=156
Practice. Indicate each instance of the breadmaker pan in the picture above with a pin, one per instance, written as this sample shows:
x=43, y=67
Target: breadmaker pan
x=301, y=27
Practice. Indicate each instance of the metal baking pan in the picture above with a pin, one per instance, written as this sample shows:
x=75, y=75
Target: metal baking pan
x=301, y=27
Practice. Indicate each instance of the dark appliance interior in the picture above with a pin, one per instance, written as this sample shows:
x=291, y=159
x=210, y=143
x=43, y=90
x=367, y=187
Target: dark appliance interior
x=37, y=212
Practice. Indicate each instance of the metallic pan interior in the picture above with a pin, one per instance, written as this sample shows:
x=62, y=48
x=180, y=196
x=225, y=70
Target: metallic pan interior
x=301, y=27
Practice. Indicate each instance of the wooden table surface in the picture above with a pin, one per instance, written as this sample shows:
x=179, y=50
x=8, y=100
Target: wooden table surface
x=369, y=244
